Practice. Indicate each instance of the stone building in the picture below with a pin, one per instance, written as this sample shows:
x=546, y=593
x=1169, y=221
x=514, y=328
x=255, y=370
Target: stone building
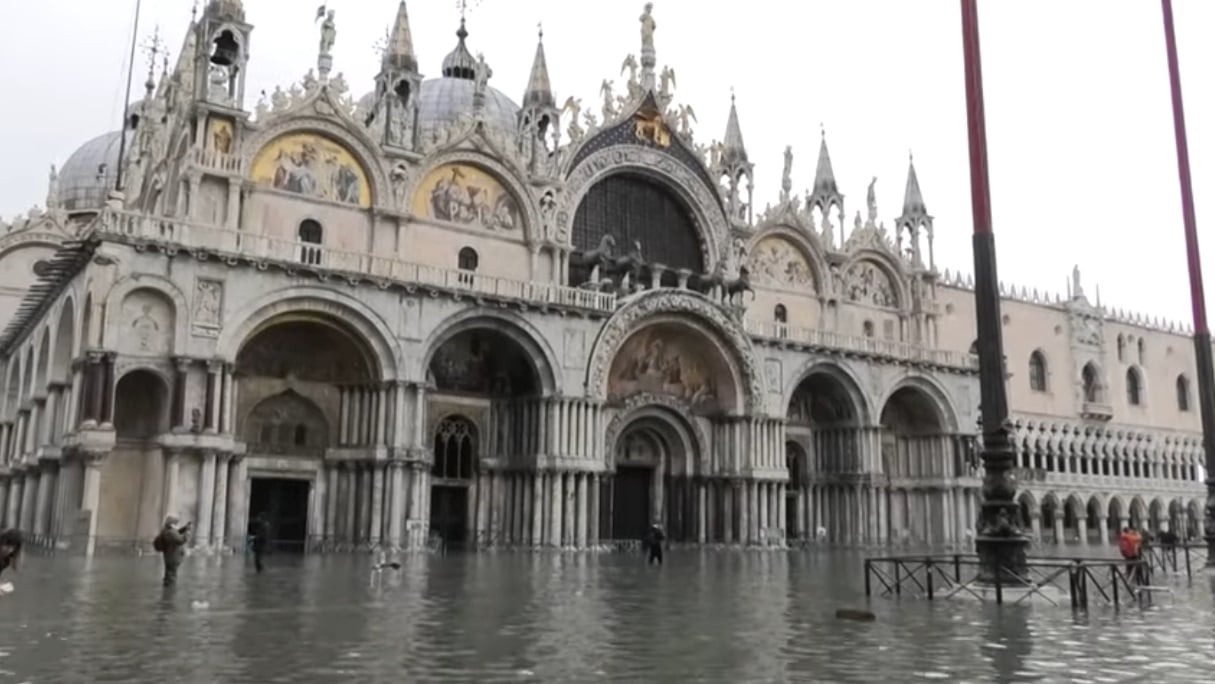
x=433, y=311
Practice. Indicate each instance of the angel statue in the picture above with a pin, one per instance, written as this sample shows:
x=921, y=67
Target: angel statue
x=609, y=104
x=666, y=82
x=686, y=115
x=630, y=65
x=573, y=105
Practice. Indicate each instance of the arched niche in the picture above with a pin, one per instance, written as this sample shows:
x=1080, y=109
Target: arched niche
x=677, y=359
x=826, y=396
x=313, y=165
x=871, y=281
x=926, y=395
x=147, y=323
x=627, y=212
x=520, y=336
x=143, y=410
x=468, y=194
x=778, y=262
x=485, y=362
x=65, y=342
x=286, y=423
x=43, y=361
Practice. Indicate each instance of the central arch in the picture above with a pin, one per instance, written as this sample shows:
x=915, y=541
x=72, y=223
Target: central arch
x=654, y=452
x=919, y=449
x=683, y=323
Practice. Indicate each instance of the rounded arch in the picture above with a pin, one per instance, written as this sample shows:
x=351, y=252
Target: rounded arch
x=287, y=422
x=1116, y=509
x=1135, y=389
x=354, y=314
x=697, y=196
x=144, y=411
x=43, y=361
x=666, y=416
x=27, y=380
x=457, y=447
x=937, y=399
x=858, y=287
x=354, y=142
x=510, y=181
x=1074, y=505
x=689, y=309
x=113, y=333
x=514, y=327
x=65, y=342
x=86, y=321
x=12, y=393
x=767, y=265
x=836, y=381
x=1037, y=371
x=1137, y=511
x=1090, y=379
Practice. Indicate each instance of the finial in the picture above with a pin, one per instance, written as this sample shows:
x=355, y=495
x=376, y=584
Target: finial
x=194, y=12
x=540, y=30
x=153, y=49
x=822, y=130
x=462, y=32
x=731, y=95
x=910, y=156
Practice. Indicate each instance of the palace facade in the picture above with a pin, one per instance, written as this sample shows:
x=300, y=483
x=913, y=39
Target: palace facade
x=433, y=311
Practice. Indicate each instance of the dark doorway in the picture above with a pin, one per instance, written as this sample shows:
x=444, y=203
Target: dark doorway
x=792, y=529
x=449, y=514
x=631, y=502
x=285, y=503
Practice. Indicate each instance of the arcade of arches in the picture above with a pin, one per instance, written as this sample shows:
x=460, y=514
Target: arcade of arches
x=1094, y=519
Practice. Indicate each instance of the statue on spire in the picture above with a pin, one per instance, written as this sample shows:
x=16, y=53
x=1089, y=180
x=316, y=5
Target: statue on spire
x=871, y=202
x=786, y=176
x=647, y=27
x=328, y=31
x=1077, y=290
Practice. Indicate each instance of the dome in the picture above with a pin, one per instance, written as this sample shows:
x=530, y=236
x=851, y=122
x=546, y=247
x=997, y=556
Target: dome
x=444, y=100
x=89, y=174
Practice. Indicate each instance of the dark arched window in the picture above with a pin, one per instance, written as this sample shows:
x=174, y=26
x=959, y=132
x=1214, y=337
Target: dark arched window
x=1134, y=387
x=310, y=236
x=1092, y=384
x=467, y=260
x=867, y=328
x=974, y=348
x=1121, y=348
x=780, y=314
x=1037, y=371
x=637, y=212
x=455, y=449
x=1183, y=393
x=1142, y=352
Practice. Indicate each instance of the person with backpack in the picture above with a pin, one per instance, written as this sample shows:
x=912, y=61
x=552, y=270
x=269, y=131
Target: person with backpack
x=171, y=544
x=1130, y=545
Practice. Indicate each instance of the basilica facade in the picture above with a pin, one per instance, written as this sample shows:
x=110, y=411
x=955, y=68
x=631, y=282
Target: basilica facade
x=435, y=313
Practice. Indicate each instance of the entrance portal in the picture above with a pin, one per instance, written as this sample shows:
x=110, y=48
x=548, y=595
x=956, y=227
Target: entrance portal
x=285, y=503
x=449, y=514
x=631, y=495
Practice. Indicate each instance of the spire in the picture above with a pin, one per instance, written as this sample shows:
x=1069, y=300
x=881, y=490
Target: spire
x=733, y=150
x=460, y=63
x=824, y=176
x=913, y=201
x=398, y=54
x=539, y=91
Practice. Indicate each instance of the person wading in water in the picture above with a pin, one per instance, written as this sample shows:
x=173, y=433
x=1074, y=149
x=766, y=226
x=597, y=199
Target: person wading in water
x=171, y=543
x=653, y=544
x=259, y=530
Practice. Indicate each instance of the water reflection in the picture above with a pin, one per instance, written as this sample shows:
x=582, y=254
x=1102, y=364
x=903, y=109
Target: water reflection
x=705, y=616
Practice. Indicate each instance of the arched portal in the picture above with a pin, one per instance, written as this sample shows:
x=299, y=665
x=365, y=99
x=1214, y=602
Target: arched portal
x=487, y=379
x=654, y=459
x=1094, y=528
x=1052, y=518
x=1116, y=517
x=675, y=359
x=307, y=382
x=918, y=452
x=824, y=417
x=796, y=525
x=132, y=475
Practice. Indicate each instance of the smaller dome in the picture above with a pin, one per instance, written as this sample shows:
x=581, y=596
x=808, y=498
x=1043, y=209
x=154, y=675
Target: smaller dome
x=460, y=63
x=90, y=173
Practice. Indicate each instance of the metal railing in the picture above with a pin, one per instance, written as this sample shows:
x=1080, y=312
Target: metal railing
x=265, y=248
x=1168, y=559
x=1085, y=581
x=867, y=345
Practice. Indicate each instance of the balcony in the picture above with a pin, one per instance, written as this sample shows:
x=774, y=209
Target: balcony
x=142, y=228
x=869, y=346
x=217, y=162
x=1094, y=410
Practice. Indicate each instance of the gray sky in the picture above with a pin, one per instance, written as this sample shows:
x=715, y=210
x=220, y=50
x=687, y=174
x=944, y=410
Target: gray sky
x=1078, y=112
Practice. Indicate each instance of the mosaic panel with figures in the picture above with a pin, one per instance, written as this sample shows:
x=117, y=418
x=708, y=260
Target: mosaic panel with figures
x=465, y=194
x=776, y=262
x=315, y=166
x=672, y=360
x=867, y=283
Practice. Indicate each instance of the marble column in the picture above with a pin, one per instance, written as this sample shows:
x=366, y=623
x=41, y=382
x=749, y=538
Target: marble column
x=1082, y=531
x=538, y=489
x=29, y=497
x=332, y=493
x=206, y=501
x=238, y=501
x=46, y=490
x=318, y=511
x=377, y=503
x=396, y=503
x=91, y=497
x=12, y=518
x=219, y=514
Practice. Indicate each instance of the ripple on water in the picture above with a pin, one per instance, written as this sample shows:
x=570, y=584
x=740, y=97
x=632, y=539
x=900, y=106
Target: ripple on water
x=506, y=617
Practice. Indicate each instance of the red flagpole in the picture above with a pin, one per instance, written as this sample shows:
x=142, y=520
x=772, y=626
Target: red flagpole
x=1202, y=334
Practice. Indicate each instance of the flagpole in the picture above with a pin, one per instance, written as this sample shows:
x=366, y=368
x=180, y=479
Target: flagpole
x=126, y=107
x=1000, y=544
x=1202, y=334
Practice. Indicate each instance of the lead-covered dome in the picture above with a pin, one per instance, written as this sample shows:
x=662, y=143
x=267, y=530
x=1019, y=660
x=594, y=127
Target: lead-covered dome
x=444, y=100
x=89, y=174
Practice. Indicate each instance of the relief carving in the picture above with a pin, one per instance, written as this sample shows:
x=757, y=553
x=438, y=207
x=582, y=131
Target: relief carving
x=776, y=262
x=148, y=323
x=575, y=348
x=208, y=303
x=773, y=370
x=867, y=284
x=656, y=302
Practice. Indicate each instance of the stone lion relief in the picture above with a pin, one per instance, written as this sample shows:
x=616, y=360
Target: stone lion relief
x=865, y=283
x=775, y=262
x=147, y=323
x=673, y=361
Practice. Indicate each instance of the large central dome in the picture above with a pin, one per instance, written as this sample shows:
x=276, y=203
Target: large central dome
x=444, y=100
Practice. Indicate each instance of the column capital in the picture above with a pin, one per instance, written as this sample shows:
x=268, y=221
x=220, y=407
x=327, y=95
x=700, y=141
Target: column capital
x=216, y=365
x=182, y=363
x=91, y=458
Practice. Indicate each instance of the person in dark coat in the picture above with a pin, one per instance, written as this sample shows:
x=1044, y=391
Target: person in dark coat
x=10, y=549
x=171, y=543
x=259, y=532
x=653, y=544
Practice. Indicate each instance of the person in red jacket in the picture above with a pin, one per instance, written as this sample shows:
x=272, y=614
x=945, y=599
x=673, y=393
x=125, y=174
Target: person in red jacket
x=1130, y=545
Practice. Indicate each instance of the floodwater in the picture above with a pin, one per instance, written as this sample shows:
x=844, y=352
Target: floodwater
x=711, y=616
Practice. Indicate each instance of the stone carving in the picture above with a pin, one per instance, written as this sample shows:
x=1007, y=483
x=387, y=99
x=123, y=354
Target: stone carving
x=575, y=348
x=548, y=217
x=776, y=262
x=400, y=178
x=773, y=371
x=866, y=283
x=633, y=85
x=609, y=101
x=1087, y=330
x=871, y=202
x=666, y=80
x=208, y=302
x=648, y=26
x=573, y=106
x=671, y=360
x=481, y=76
x=286, y=422
x=328, y=34
x=652, y=129
x=147, y=323
x=686, y=116
x=656, y=302
x=786, y=176
x=704, y=203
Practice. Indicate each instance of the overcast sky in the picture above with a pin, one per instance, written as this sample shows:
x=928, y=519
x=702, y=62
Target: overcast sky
x=1079, y=120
